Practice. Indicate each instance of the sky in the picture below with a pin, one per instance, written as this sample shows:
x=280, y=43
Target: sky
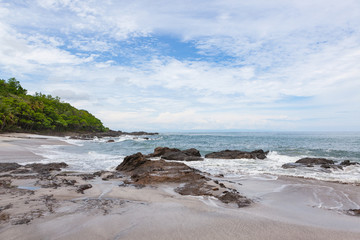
x=159, y=65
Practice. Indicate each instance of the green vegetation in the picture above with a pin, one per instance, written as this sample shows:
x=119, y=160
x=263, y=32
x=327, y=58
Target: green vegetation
x=22, y=112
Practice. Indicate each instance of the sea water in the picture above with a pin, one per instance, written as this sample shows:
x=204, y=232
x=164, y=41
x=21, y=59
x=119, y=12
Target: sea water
x=284, y=147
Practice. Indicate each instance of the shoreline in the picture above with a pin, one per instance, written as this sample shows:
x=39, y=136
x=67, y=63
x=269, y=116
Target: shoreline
x=282, y=208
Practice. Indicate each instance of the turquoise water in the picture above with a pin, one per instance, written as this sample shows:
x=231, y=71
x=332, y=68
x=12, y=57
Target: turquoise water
x=284, y=147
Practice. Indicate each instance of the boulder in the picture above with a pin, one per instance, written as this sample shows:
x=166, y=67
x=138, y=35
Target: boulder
x=110, y=141
x=236, y=154
x=348, y=163
x=291, y=165
x=132, y=162
x=166, y=153
x=315, y=161
x=82, y=188
x=159, y=151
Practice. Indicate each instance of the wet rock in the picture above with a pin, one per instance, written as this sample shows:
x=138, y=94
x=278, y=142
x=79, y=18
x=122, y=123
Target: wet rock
x=83, y=187
x=236, y=154
x=5, y=167
x=110, y=141
x=24, y=220
x=315, y=161
x=332, y=166
x=45, y=168
x=191, y=154
x=354, y=212
x=159, y=151
x=21, y=171
x=4, y=217
x=291, y=165
x=132, y=162
x=233, y=197
x=348, y=163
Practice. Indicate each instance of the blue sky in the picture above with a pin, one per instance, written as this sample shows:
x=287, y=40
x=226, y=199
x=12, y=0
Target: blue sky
x=191, y=65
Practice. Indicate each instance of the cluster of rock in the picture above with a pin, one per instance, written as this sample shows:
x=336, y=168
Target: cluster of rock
x=322, y=162
x=110, y=133
x=193, y=154
x=236, y=154
x=143, y=171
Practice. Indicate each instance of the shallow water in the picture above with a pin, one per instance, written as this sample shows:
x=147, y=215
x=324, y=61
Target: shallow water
x=284, y=147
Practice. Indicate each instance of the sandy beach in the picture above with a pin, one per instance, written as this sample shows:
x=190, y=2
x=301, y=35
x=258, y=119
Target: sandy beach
x=58, y=205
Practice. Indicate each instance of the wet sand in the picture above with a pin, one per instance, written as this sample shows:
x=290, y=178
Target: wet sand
x=14, y=147
x=283, y=208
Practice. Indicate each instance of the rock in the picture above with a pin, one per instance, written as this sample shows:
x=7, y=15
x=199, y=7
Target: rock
x=191, y=154
x=110, y=141
x=291, y=165
x=159, y=151
x=333, y=166
x=232, y=197
x=45, y=168
x=83, y=187
x=348, y=163
x=5, y=167
x=132, y=162
x=354, y=212
x=236, y=154
x=315, y=161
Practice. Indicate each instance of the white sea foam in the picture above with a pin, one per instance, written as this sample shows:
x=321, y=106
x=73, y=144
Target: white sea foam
x=273, y=165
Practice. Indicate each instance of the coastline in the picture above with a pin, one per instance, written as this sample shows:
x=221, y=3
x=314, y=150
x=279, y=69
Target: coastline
x=282, y=208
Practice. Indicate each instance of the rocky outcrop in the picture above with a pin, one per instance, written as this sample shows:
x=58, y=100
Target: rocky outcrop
x=322, y=162
x=6, y=167
x=236, y=154
x=132, y=162
x=348, y=163
x=45, y=168
x=111, y=133
x=191, y=181
x=166, y=153
x=314, y=161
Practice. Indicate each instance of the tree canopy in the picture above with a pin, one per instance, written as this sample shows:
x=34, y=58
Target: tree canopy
x=22, y=112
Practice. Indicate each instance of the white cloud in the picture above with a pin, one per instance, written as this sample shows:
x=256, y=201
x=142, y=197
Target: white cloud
x=262, y=65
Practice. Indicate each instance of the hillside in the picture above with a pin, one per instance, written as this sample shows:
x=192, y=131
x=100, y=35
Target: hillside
x=21, y=112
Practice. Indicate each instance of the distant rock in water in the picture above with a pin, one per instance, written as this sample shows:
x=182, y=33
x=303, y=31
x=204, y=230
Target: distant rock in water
x=348, y=163
x=315, y=161
x=166, y=153
x=322, y=162
x=236, y=154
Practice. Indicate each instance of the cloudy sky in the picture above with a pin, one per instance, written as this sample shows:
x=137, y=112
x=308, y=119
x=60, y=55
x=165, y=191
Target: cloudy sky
x=178, y=65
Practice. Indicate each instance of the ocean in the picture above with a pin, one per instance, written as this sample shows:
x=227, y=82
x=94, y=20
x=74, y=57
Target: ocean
x=284, y=147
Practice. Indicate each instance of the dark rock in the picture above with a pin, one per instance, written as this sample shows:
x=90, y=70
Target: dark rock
x=5, y=167
x=236, y=154
x=348, y=163
x=315, y=161
x=83, y=187
x=159, y=151
x=354, y=212
x=291, y=165
x=132, y=162
x=110, y=141
x=21, y=171
x=191, y=154
x=44, y=168
x=232, y=197
x=24, y=220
